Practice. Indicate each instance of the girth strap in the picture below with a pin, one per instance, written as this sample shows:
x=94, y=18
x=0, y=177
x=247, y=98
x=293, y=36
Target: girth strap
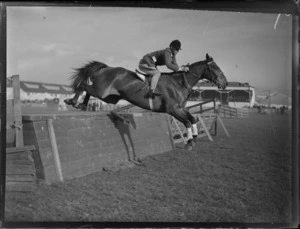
x=186, y=84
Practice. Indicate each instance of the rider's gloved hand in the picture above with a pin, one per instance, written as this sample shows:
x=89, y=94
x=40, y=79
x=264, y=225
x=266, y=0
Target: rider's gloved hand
x=183, y=68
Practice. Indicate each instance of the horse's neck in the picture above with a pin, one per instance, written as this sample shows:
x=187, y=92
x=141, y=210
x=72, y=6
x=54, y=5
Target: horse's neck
x=192, y=78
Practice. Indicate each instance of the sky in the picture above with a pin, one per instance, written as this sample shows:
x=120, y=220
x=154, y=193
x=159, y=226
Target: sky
x=45, y=44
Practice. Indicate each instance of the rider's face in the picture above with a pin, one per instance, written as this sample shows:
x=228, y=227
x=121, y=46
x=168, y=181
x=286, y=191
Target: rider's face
x=174, y=51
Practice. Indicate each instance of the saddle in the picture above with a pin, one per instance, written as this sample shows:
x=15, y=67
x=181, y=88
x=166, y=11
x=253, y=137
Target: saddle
x=142, y=75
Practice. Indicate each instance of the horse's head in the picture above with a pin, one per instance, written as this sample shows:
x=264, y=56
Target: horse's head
x=214, y=73
x=211, y=72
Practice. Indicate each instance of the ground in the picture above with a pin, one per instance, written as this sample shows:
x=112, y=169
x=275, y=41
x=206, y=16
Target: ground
x=242, y=178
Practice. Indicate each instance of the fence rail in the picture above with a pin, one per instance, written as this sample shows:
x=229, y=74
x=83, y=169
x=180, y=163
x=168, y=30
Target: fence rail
x=232, y=112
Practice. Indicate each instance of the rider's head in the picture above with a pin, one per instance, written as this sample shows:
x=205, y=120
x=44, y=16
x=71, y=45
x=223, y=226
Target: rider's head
x=175, y=46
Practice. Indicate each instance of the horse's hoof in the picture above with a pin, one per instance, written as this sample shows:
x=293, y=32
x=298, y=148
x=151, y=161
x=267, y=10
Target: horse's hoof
x=69, y=102
x=188, y=147
x=193, y=143
x=136, y=162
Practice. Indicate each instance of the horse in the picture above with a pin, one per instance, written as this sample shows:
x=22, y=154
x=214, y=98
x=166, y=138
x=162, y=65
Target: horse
x=110, y=84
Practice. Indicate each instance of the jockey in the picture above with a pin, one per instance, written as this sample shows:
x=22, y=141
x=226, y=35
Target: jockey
x=167, y=57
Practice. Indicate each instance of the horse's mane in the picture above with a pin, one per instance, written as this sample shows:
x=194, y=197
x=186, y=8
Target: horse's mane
x=85, y=72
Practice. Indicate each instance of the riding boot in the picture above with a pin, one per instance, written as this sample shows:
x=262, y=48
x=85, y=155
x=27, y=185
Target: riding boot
x=152, y=93
x=154, y=81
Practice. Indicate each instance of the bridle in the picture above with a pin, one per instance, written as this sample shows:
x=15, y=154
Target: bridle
x=213, y=72
x=208, y=63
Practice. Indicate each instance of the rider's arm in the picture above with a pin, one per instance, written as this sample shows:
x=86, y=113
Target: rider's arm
x=170, y=62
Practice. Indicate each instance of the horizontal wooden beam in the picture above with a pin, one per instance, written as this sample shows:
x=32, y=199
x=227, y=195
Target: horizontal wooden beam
x=20, y=149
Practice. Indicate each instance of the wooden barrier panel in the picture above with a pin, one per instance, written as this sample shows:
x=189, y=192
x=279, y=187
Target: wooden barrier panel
x=88, y=141
x=20, y=169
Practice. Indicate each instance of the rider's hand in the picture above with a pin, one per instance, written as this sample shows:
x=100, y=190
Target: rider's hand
x=183, y=68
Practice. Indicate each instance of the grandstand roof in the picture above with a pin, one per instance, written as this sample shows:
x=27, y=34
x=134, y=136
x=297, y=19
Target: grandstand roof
x=37, y=87
x=230, y=84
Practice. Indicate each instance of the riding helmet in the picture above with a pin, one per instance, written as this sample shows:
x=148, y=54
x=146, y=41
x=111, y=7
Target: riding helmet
x=176, y=45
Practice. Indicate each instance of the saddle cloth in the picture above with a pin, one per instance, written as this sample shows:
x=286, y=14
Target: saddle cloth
x=142, y=75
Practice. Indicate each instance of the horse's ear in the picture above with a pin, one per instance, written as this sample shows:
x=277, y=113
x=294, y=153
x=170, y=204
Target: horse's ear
x=207, y=56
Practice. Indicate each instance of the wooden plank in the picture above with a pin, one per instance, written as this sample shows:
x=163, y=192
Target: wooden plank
x=17, y=162
x=55, y=150
x=222, y=124
x=127, y=107
x=17, y=156
x=20, y=177
x=20, y=149
x=205, y=129
x=12, y=186
x=19, y=169
x=17, y=110
x=178, y=129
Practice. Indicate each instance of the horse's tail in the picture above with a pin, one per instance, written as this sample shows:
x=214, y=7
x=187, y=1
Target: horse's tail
x=84, y=73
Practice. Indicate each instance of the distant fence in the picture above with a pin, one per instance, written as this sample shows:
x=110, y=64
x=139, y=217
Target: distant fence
x=203, y=107
x=225, y=111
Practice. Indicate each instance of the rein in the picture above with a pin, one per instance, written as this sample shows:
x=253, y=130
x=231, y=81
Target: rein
x=194, y=75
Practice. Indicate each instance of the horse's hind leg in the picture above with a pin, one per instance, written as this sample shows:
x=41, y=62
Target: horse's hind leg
x=74, y=100
x=89, y=91
x=84, y=104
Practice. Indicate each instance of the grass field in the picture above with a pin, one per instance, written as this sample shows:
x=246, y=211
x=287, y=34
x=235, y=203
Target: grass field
x=244, y=178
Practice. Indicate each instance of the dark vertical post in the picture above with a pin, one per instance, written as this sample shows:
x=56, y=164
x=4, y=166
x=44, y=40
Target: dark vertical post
x=3, y=104
x=214, y=105
x=295, y=119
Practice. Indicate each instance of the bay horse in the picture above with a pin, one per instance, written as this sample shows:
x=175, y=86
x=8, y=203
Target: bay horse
x=110, y=84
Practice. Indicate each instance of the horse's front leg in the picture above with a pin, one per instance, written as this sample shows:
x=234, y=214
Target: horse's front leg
x=182, y=116
x=193, y=121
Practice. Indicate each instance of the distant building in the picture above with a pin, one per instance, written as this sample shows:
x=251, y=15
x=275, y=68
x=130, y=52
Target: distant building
x=236, y=94
x=36, y=91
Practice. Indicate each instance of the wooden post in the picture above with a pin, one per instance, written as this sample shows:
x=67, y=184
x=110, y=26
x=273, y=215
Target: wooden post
x=205, y=128
x=17, y=111
x=222, y=124
x=55, y=150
